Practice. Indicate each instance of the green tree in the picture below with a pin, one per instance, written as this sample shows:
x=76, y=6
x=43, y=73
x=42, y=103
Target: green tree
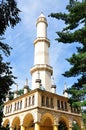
x=9, y=16
x=75, y=126
x=75, y=32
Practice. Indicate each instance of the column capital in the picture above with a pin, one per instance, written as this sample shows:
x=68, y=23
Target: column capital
x=36, y=122
x=56, y=122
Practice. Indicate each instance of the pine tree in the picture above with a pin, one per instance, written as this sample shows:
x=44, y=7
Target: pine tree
x=9, y=16
x=75, y=32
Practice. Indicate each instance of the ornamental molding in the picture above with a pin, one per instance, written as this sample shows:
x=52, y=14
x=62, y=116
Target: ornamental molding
x=42, y=39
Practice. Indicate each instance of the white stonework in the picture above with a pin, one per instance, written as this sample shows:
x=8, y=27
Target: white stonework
x=41, y=56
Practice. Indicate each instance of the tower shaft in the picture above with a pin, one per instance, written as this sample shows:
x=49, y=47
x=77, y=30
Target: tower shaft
x=41, y=56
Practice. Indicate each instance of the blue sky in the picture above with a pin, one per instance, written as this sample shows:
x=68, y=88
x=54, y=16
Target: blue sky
x=22, y=36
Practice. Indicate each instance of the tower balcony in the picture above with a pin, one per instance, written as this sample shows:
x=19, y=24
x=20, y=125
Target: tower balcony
x=41, y=67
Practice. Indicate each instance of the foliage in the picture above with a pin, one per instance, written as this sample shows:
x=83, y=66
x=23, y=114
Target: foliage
x=75, y=126
x=75, y=32
x=9, y=16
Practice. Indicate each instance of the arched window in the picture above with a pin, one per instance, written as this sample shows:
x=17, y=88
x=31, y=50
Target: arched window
x=65, y=106
x=29, y=101
x=51, y=102
x=26, y=102
x=43, y=101
x=33, y=100
x=62, y=106
x=47, y=101
x=15, y=107
x=20, y=104
x=58, y=104
x=11, y=108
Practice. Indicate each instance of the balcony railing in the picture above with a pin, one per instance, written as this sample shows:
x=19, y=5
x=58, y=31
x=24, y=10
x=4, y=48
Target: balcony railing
x=39, y=98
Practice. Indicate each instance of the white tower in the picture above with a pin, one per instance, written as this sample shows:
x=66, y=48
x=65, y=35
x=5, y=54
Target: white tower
x=41, y=58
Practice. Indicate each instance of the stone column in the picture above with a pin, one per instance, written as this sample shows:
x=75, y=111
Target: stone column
x=22, y=127
x=37, y=126
x=55, y=127
x=70, y=123
x=11, y=128
x=70, y=128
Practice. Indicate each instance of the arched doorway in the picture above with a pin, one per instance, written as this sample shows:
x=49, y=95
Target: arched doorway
x=16, y=123
x=28, y=122
x=6, y=124
x=47, y=122
x=76, y=124
x=63, y=123
x=62, y=126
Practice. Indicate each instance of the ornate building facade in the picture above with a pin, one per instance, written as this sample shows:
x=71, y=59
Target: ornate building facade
x=41, y=108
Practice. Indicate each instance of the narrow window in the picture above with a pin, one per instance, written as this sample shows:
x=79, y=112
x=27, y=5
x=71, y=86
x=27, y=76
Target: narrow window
x=47, y=101
x=51, y=102
x=20, y=104
x=58, y=104
x=33, y=100
x=26, y=102
x=66, y=106
x=43, y=101
x=62, y=106
x=29, y=101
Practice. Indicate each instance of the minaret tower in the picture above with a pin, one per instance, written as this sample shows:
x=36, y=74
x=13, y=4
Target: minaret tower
x=41, y=57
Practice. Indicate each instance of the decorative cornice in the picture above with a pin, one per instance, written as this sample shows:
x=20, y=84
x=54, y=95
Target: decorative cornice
x=42, y=39
x=41, y=19
x=41, y=67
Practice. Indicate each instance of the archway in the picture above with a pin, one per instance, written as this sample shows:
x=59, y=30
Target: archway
x=76, y=124
x=47, y=122
x=28, y=122
x=16, y=123
x=62, y=126
x=63, y=123
x=6, y=124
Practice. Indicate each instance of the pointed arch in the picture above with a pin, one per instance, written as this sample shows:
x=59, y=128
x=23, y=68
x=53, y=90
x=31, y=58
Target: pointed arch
x=63, y=123
x=47, y=121
x=77, y=122
x=6, y=122
x=28, y=120
x=16, y=122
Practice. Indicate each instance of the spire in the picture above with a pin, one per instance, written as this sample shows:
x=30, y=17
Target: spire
x=42, y=15
x=26, y=82
x=26, y=87
x=53, y=81
x=65, y=88
x=53, y=86
x=16, y=91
